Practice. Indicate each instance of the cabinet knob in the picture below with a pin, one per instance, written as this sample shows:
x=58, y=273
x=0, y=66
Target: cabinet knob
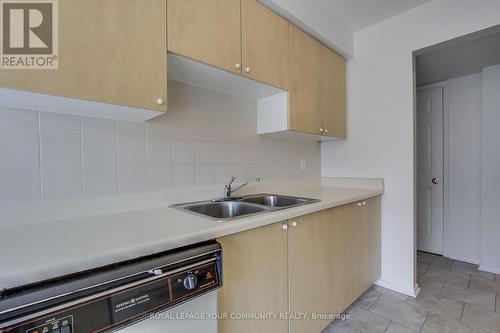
x=160, y=101
x=247, y=69
x=284, y=226
x=321, y=130
x=326, y=131
x=359, y=204
x=295, y=223
x=364, y=203
x=237, y=66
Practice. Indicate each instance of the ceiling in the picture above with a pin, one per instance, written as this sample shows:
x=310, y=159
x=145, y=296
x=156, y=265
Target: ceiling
x=359, y=14
x=458, y=60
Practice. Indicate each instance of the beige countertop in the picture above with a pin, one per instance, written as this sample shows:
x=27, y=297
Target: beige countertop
x=38, y=249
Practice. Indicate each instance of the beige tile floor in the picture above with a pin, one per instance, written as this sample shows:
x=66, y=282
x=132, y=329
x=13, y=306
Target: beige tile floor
x=455, y=297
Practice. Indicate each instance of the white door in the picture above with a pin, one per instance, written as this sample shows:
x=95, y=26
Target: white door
x=430, y=170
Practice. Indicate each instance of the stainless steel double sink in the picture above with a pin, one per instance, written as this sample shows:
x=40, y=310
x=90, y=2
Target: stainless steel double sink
x=229, y=209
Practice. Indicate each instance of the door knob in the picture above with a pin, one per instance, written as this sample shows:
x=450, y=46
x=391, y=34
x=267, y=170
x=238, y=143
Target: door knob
x=435, y=180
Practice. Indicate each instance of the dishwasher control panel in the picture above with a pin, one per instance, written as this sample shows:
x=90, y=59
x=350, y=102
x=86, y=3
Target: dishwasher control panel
x=54, y=325
x=193, y=281
x=122, y=306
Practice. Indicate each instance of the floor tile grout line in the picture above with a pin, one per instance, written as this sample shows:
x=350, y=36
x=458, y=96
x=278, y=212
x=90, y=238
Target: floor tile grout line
x=429, y=266
x=423, y=324
x=462, y=313
x=378, y=297
x=390, y=322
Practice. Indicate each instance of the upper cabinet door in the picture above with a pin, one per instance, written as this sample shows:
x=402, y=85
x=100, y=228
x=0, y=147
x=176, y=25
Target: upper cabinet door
x=334, y=94
x=304, y=84
x=264, y=44
x=208, y=31
x=111, y=51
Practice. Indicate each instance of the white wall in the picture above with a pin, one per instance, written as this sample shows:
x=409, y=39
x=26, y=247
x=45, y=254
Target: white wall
x=316, y=19
x=204, y=138
x=490, y=175
x=464, y=97
x=381, y=119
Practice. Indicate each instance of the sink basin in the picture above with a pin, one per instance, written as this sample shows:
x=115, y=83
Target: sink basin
x=276, y=201
x=238, y=208
x=224, y=210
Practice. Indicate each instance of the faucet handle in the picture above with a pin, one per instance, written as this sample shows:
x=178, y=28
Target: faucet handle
x=231, y=181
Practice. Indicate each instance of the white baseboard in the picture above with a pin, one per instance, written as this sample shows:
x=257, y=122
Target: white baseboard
x=464, y=259
x=410, y=292
x=489, y=269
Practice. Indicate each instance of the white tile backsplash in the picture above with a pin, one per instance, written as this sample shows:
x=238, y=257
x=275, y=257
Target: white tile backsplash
x=61, y=180
x=183, y=175
x=19, y=182
x=26, y=149
x=159, y=163
x=99, y=140
x=183, y=151
x=18, y=119
x=204, y=174
x=100, y=178
x=131, y=156
x=204, y=138
x=223, y=152
x=59, y=148
x=58, y=121
x=223, y=171
x=203, y=152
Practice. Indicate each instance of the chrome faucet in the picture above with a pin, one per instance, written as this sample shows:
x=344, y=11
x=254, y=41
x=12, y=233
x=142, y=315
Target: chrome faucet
x=228, y=190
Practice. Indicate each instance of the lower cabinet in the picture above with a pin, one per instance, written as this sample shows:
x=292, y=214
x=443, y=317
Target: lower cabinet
x=315, y=264
x=255, y=279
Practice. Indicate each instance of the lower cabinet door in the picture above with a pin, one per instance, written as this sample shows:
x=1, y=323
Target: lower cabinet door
x=255, y=280
x=370, y=241
x=355, y=257
x=310, y=275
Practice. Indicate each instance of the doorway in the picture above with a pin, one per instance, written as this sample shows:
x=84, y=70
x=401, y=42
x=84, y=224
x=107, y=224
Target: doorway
x=454, y=96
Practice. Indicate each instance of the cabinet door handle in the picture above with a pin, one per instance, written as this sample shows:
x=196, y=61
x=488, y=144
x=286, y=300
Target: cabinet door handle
x=359, y=204
x=237, y=66
x=295, y=224
x=284, y=226
x=247, y=69
x=160, y=101
x=364, y=203
x=326, y=131
x=321, y=130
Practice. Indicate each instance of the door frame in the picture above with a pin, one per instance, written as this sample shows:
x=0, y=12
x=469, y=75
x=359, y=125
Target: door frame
x=446, y=115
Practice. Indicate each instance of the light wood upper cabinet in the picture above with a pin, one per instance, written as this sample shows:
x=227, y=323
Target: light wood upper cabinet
x=111, y=51
x=333, y=107
x=208, y=31
x=304, y=108
x=311, y=281
x=264, y=44
x=255, y=279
